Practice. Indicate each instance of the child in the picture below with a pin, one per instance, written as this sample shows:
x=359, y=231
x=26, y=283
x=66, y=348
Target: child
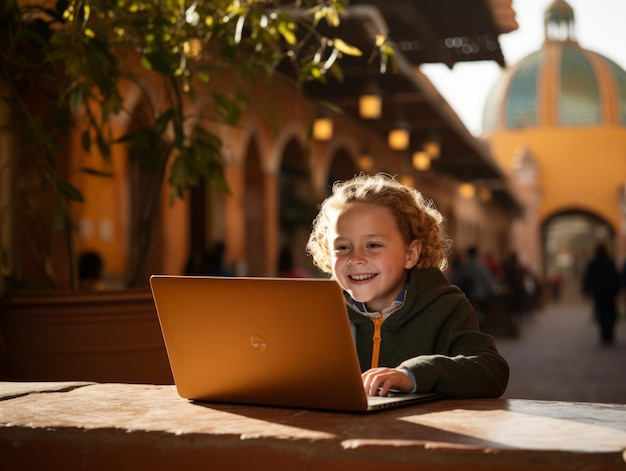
x=414, y=332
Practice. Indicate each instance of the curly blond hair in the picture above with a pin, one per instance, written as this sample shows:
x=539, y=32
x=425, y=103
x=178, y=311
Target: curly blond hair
x=416, y=217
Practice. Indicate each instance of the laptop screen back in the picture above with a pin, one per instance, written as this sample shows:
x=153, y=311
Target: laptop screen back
x=266, y=341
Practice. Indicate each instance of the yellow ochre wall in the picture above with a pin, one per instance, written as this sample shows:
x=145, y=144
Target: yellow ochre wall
x=578, y=168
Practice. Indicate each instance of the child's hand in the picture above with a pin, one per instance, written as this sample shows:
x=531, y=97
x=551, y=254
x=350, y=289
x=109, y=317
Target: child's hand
x=378, y=381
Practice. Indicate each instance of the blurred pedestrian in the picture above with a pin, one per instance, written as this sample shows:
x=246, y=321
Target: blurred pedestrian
x=494, y=266
x=209, y=262
x=90, y=267
x=516, y=282
x=475, y=279
x=556, y=286
x=287, y=267
x=214, y=263
x=601, y=284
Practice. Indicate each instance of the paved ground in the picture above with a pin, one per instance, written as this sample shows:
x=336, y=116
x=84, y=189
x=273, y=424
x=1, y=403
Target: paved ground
x=558, y=356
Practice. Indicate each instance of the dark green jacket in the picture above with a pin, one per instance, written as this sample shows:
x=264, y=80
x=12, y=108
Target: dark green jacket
x=435, y=334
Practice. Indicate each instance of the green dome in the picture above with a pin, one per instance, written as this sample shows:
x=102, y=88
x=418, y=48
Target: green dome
x=559, y=11
x=562, y=84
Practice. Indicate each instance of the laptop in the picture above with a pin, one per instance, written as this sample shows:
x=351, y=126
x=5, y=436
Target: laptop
x=264, y=341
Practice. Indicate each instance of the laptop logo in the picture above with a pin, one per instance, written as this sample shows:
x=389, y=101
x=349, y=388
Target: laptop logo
x=258, y=343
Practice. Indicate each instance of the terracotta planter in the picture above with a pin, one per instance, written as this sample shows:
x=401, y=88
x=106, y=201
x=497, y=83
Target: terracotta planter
x=104, y=336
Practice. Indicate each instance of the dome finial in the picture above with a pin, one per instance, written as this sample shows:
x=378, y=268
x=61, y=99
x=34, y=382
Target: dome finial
x=559, y=22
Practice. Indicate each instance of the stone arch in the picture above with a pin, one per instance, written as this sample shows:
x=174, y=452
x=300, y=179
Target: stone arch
x=255, y=203
x=297, y=203
x=291, y=134
x=569, y=238
x=342, y=166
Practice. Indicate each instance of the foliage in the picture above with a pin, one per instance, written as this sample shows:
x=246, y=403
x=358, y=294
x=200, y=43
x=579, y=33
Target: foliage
x=80, y=56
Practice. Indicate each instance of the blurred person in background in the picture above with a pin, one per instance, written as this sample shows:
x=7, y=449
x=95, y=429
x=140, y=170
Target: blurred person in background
x=601, y=284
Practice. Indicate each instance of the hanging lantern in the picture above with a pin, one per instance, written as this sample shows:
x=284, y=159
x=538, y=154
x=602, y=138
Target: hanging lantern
x=467, y=190
x=421, y=160
x=399, y=138
x=371, y=102
x=323, y=128
x=432, y=148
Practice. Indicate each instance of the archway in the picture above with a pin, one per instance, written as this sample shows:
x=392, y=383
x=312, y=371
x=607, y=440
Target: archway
x=297, y=205
x=342, y=167
x=569, y=239
x=255, y=213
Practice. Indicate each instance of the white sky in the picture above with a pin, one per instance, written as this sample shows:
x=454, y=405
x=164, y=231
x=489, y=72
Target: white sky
x=600, y=26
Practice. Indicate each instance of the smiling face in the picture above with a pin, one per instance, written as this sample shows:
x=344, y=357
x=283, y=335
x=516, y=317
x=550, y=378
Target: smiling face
x=369, y=257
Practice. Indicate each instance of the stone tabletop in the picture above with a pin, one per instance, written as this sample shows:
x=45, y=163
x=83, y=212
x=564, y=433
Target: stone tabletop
x=132, y=420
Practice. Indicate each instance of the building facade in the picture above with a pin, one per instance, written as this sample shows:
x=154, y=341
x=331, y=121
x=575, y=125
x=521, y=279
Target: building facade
x=278, y=170
x=556, y=123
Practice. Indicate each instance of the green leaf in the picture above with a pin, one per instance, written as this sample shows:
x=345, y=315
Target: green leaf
x=103, y=145
x=160, y=124
x=346, y=48
x=97, y=173
x=316, y=72
x=388, y=56
x=287, y=34
x=201, y=159
x=76, y=99
x=140, y=141
x=145, y=63
x=332, y=107
x=227, y=108
x=128, y=137
x=337, y=72
x=69, y=191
